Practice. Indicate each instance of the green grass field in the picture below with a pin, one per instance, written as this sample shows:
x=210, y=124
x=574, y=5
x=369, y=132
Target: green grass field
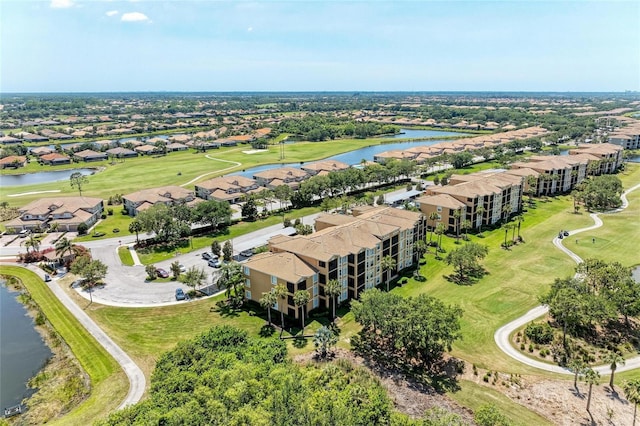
x=109, y=384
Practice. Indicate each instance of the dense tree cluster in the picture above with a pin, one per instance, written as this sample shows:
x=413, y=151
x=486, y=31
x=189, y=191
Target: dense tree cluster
x=600, y=192
x=602, y=292
x=410, y=331
x=224, y=377
x=320, y=127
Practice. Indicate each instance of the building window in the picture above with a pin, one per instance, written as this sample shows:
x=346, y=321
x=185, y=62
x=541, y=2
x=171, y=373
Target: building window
x=247, y=271
x=274, y=280
x=439, y=209
x=247, y=283
x=247, y=294
x=315, y=278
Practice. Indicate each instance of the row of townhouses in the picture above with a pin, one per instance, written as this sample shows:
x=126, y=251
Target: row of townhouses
x=345, y=248
x=628, y=136
x=67, y=213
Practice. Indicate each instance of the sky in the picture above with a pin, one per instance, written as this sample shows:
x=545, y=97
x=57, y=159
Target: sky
x=183, y=45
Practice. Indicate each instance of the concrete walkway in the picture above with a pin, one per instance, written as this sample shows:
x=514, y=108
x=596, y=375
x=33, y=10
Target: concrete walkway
x=501, y=336
x=135, y=375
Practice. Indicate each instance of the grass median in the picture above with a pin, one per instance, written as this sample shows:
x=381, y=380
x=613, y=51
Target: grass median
x=109, y=384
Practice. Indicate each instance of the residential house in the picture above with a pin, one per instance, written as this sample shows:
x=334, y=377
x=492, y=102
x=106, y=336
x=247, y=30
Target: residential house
x=90, y=155
x=120, y=152
x=41, y=150
x=9, y=140
x=323, y=167
x=226, y=188
x=275, y=177
x=142, y=200
x=13, y=162
x=67, y=212
x=177, y=147
x=55, y=159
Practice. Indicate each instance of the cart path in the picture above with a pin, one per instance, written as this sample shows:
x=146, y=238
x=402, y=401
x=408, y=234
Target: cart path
x=501, y=336
x=197, y=178
x=137, y=381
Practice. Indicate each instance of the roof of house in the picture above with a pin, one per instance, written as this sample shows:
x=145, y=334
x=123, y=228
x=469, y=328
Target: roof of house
x=71, y=204
x=87, y=153
x=227, y=182
x=286, y=266
x=441, y=200
x=281, y=173
x=54, y=156
x=159, y=194
x=13, y=159
x=326, y=165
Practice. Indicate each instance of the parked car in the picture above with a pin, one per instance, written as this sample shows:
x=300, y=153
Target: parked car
x=215, y=263
x=24, y=233
x=208, y=256
x=162, y=273
x=183, y=269
x=180, y=294
x=246, y=253
x=47, y=278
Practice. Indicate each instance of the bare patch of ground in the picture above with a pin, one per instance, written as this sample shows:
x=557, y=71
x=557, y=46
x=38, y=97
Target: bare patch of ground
x=559, y=401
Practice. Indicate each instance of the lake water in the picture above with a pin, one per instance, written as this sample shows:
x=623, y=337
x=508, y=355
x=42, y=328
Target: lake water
x=22, y=351
x=636, y=274
x=416, y=133
x=41, y=177
x=351, y=158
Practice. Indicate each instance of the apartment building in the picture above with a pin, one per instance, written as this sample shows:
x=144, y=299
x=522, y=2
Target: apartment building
x=608, y=157
x=482, y=198
x=275, y=177
x=227, y=188
x=627, y=137
x=557, y=174
x=345, y=248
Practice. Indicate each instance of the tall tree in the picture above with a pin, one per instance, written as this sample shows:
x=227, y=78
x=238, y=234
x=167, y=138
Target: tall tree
x=232, y=279
x=613, y=358
x=420, y=248
x=300, y=299
x=267, y=301
x=591, y=377
x=387, y=264
x=577, y=366
x=440, y=230
x=433, y=216
x=136, y=227
x=78, y=180
x=213, y=213
x=91, y=271
x=227, y=251
x=333, y=288
x=282, y=293
x=465, y=260
x=631, y=390
x=63, y=245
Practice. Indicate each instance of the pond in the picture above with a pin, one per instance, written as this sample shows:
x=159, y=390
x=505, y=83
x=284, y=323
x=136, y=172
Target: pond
x=418, y=133
x=41, y=177
x=351, y=157
x=22, y=351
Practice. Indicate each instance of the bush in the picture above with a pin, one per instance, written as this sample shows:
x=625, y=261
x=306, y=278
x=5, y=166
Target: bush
x=539, y=333
x=110, y=211
x=82, y=229
x=287, y=222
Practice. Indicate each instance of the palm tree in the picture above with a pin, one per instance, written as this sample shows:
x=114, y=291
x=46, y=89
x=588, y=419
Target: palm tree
x=456, y=215
x=231, y=279
x=387, y=264
x=506, y=233
x=440, y=229
x=267, y=301
x=323, y=340
x=333, y=289
x=64, y=245
x=300, y=299
x=33, y=242
x=480, y=211
x=281, y=292
x=135, y=226
x=532, y=182
x=613, y=358
x=506, y=211
x=420, y=247
x=577, y=366
x=632, y=393
x=433, y=216
x=466, y=224
x=519, y=220
x=591, y=377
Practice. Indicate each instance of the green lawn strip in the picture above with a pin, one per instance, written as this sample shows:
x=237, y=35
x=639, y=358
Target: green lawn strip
x=145, y=333
x=473, y=396
x=115, y=221
x=125, y=256
x=93, y=358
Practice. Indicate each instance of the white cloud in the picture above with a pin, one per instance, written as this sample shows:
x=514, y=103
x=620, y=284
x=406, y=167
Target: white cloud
x=250, y=29
x=135, y=17
x=112, y=13
x=61, y=4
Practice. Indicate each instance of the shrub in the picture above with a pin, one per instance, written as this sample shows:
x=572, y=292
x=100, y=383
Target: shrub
x=83, y=228
x=539, y=333
x=110, y=211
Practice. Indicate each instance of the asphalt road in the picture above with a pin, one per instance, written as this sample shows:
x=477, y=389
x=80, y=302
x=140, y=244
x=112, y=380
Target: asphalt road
x=501, y=336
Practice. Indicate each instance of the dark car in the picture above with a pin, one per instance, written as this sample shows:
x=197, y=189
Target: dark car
x=162, y=273
x=565, y=233
x=560, y=236
x=180, y=294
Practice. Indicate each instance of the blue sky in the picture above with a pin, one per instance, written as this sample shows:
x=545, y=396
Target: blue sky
x=181, y=45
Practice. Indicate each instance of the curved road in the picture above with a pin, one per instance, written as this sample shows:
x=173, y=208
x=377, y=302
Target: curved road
x=135, y=375
x=501, y=336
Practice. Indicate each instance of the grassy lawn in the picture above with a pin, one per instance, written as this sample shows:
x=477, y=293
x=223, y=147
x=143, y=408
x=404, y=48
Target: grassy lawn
x=109, y=384
x=115, y=221
x=125, y=256
x=473, y=396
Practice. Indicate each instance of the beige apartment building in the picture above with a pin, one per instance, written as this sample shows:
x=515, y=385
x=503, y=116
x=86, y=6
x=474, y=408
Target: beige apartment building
x=226, y=188
x=138, y=201
x=345, y=248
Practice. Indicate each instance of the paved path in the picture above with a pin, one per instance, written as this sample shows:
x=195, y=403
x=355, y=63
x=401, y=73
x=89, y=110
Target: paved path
x=235, y=164
x=501, y=336
x=135, y=375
